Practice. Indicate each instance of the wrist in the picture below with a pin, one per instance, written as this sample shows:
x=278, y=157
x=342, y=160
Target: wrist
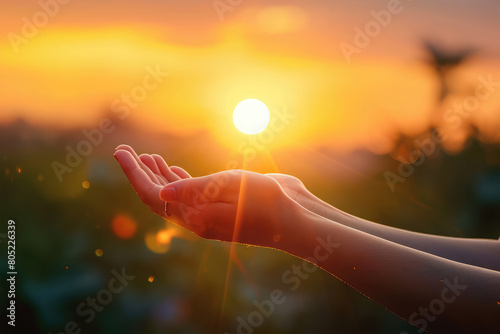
x=281, y=228
x=328, y=211
x=298, y=226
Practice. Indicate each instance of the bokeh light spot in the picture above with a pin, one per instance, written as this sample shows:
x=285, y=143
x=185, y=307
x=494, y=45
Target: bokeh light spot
x=86, y=184
x=159, y=241
x=99, y=252
x=151, y=278
x=123, y=226
x=164, y=237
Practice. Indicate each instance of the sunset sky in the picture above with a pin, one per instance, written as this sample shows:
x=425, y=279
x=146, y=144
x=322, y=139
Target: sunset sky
x=74, y=68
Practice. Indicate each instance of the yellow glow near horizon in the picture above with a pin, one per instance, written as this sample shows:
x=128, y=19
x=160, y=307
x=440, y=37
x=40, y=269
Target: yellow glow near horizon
x=86, y=69
x=251, y=116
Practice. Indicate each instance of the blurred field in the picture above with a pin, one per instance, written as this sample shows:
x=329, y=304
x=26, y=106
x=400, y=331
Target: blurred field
x=61, y=225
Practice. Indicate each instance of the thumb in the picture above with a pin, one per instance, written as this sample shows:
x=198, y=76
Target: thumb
x=169, y=193
x=215, y=187
x=189, y=191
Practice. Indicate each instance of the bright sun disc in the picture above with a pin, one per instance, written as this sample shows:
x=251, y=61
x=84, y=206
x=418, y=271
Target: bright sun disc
x=251, y=116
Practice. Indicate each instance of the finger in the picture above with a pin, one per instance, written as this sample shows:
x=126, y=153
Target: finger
x=180, y=172
x=151, y=164
x=219, y=187
x=129, y=149
x=124, y=147
x=164, y=169
x=147, y=190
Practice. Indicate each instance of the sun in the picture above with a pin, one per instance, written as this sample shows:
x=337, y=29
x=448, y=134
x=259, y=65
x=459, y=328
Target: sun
x=251, y=116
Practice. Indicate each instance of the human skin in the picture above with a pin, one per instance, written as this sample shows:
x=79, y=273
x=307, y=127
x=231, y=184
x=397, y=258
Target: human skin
x=479, y=252
x=405, y=272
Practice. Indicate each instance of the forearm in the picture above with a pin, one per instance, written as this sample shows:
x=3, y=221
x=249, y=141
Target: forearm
x=478, y=252
x=399, y=278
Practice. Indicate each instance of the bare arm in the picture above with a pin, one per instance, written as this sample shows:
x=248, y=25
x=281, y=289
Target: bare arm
x=479, y=252
x=433, y=293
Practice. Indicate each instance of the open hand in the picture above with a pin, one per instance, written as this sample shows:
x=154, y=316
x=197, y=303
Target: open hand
x=231, y=205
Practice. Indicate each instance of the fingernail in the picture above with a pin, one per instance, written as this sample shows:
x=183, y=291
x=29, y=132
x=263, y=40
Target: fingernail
x=167, y=194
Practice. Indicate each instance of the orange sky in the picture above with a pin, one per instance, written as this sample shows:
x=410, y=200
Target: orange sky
x=285, y=53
